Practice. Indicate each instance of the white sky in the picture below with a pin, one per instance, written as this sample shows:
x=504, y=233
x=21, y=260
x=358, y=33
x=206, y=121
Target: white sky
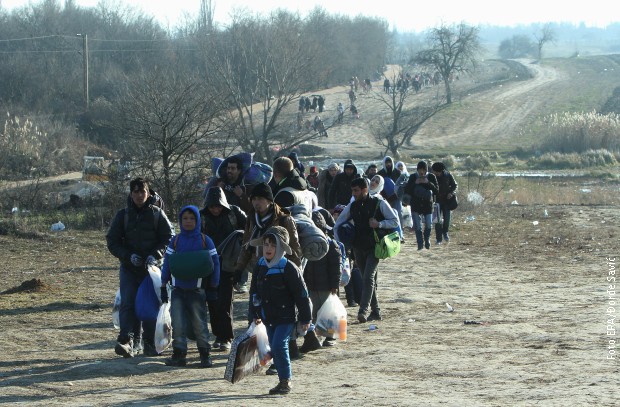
x=401, y=14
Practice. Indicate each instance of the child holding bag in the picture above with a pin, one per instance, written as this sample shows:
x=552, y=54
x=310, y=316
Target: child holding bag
x=277, y=292
x=192, y=265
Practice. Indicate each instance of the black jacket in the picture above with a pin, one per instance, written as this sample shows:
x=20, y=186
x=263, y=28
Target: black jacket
x=140, y=235
x=340, y=189
x=324, y=274
x=219, y=227
x=447, y=185
x=420, y=205
x=277, y=293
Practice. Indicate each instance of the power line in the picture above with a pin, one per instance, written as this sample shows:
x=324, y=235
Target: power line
x=37, y=38
x=92, y=51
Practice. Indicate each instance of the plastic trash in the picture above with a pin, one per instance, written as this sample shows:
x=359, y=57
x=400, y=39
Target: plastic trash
x=58, y=226
x=373, y=327
x=470, y=218
x=475, y=198
x=546, y=214
x=450, y=308
x=514, y=202
x=535, y=223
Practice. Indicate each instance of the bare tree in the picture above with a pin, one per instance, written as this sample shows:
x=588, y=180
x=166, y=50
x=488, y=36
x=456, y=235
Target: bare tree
x=262, y=67
x=451, y=50
x=544, y=36
x=168, y=120
x=397, y=128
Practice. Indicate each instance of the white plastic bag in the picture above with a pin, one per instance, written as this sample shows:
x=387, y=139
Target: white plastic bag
x=116, y=320
x=407, y=219
x=262, y=342
x=332, y=318
x=436, y=213
x=155, y=274
x=163, y=328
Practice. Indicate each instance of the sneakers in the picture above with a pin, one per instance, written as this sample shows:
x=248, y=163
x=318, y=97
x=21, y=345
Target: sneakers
x=427, y=245
x=437, y=242
x=446, y=237
x=205, y=358
x=284, y=387
x=137, y=347
x=124, y=349
x=149, y=349
x=361, y=318
x=374, y=316
x=225, y=346
x=178, y=359
x=272, y=370
x=216, y=345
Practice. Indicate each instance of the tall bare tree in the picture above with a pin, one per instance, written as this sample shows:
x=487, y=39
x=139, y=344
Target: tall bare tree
x=262, y=65
x=451, y=50
x=404, y=117
x=168, y=119
x=544, y=36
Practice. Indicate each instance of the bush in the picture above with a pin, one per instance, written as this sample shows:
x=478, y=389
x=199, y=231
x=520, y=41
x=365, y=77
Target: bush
x=580, y=132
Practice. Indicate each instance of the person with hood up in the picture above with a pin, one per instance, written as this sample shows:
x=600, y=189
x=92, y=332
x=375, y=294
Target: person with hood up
x=220, y=221
x=189, y=295
x=278, y=298
x=388, y=169
x=326, y=178
x=340, y=190
x=297, y=164
x=138, y=237
x=313, y=178
x=404, y=211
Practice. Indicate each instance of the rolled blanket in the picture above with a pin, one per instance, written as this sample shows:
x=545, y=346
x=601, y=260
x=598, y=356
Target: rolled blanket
x=313, y=242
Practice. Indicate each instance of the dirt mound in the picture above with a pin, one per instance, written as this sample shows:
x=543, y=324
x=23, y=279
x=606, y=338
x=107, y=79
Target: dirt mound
x=31, y=286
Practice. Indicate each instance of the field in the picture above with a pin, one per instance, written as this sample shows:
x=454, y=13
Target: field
x=534, y=290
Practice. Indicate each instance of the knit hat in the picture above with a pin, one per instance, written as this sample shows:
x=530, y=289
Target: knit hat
x=262, y=190
x=349, y=164
x=333, y=165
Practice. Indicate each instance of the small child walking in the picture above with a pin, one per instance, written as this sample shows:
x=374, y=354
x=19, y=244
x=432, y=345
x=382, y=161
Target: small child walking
x=189, y=295
x=279, y=298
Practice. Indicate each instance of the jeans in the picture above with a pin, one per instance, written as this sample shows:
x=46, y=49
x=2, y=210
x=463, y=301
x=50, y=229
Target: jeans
x=131, y=326
x=221, y=311
x=190, y=304
x=278, y=341
x=419, y=218
x=367, y=263
x=441, y=228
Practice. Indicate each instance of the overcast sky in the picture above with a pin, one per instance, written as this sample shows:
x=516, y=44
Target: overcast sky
x=402, y=15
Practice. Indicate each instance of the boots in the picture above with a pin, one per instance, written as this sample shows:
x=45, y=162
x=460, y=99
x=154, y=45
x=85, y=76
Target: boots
x=293, y=350
x=178, y=359
x=124, y=347
x=427, y=238
x=419, y=239
x=205, y=358
x=311, y=342
x=284, y=387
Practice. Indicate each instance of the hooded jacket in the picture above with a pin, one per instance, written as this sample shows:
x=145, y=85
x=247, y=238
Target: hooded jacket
x=447, y=185
x=291, y=180
x=340, y=190
x=393, y=173
x=218, y=228
x=278, y=291
x=279, y=217
x=139, y=235
x=191, y=240
x=325, y=182
x=419, y=205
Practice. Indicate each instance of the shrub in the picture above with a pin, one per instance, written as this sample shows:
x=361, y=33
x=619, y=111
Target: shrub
x=579, y=132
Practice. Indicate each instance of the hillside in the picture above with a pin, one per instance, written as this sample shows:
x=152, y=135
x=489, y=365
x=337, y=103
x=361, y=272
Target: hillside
x=490, y=111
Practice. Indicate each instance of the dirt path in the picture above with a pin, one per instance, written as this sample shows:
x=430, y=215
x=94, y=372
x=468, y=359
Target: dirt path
x=536, y=292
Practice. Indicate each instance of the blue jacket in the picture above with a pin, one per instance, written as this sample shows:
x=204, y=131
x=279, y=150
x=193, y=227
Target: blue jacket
x=190, y=240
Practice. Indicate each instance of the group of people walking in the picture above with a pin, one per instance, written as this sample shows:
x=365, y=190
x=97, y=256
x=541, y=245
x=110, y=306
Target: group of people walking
x=250, y=232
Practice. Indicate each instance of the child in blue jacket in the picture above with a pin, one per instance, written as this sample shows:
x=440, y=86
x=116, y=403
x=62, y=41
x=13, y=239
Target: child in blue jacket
x=188, y=297
x=279, y=298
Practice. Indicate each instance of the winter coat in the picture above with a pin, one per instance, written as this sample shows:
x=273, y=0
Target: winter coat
x=340, y=190
x=140, y=235
x=420, y=205
x=393, y=173
x=280, y=292
x=186, y=241
x=447, y=185
x=324, y=274
x=292, y=180
x=325, y=182
x=280, y=217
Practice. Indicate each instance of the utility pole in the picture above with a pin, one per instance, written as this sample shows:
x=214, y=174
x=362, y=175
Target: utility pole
x=85, y=64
